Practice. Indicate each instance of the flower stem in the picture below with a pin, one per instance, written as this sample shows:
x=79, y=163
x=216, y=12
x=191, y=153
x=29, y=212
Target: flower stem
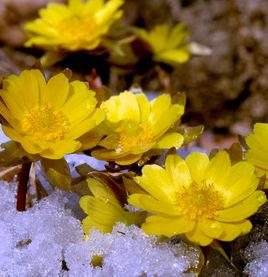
x=22, y=186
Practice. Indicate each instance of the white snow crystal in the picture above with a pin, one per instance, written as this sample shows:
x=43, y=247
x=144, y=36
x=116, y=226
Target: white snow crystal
x=78, y=159
x=257, y=255
x=127, y=251
x=3, y=137
x=37, y=242
x=32, y=242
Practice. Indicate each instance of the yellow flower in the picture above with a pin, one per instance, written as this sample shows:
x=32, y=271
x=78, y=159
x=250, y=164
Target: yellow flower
x=104, y=210
x=134, y=126
x=257, y=153
x=78, y=25
x=201, y=198
x=47, y=118
x=168, y=45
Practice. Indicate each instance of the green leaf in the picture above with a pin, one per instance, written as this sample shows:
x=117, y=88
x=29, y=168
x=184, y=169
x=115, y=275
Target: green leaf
x=58, y=173
x=179, y=98
x=190, y=133
x=217, y=246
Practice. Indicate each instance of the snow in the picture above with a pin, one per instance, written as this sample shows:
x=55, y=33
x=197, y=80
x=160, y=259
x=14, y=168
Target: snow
x=78, y=159
x=257, y=255
x=36, y=242
x=127, y=251
x=32, y=242
x=3, y=137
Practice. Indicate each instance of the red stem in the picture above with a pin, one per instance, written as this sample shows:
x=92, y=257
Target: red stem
x=22, y=186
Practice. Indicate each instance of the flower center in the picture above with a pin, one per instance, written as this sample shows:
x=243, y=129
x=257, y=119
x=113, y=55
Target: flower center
x=131, y=137
x=44, y=123
x=76, y=27
x=199, y=201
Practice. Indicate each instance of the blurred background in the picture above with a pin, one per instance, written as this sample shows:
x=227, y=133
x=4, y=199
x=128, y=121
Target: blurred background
x=226, y=92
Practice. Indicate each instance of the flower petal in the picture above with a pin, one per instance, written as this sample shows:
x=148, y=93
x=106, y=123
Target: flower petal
x=150, y=204
x=88, y=223
x=197, y=236
x=174, y=55
x=170, y=140
x=164, y=123
x=156, y=182
x=102, y=191
x=243, y=209
x=144, y=106
x=129, y=159
x=211, y=228
x=218, y=170
x=56, y=91
x=197, y=163
x=233, y=230
x=100, y=211
x=87, y=124
x=178, y=172
x=156, y=225
x=122, y=107
x=241, y=183
x=59, y=149
x=80, y=103
x=158, y=108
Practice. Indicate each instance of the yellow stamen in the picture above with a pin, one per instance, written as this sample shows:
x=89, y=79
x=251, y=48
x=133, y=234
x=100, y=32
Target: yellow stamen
x=44, y=123
x=141, y=135
x=199, y=201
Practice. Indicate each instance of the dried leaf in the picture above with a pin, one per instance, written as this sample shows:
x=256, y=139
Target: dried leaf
x=13, y=154
x=149, y=155
x=132, y=187
x=235, y=152
x=262, y=182
x=68, y=73
x=84, y=169
x=243, y=142
x=9, y=173
x=81, y=188
x=213, y=153
x=50, y=58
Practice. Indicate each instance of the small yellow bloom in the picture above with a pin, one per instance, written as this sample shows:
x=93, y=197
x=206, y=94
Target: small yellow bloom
x=78, y=25
x=104, y=210
x=201, y=198
x=257, y=153
x=134, y=126
x=47, y=118
x=168, y=45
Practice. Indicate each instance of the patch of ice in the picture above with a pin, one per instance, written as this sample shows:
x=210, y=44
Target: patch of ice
x=257, y=255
